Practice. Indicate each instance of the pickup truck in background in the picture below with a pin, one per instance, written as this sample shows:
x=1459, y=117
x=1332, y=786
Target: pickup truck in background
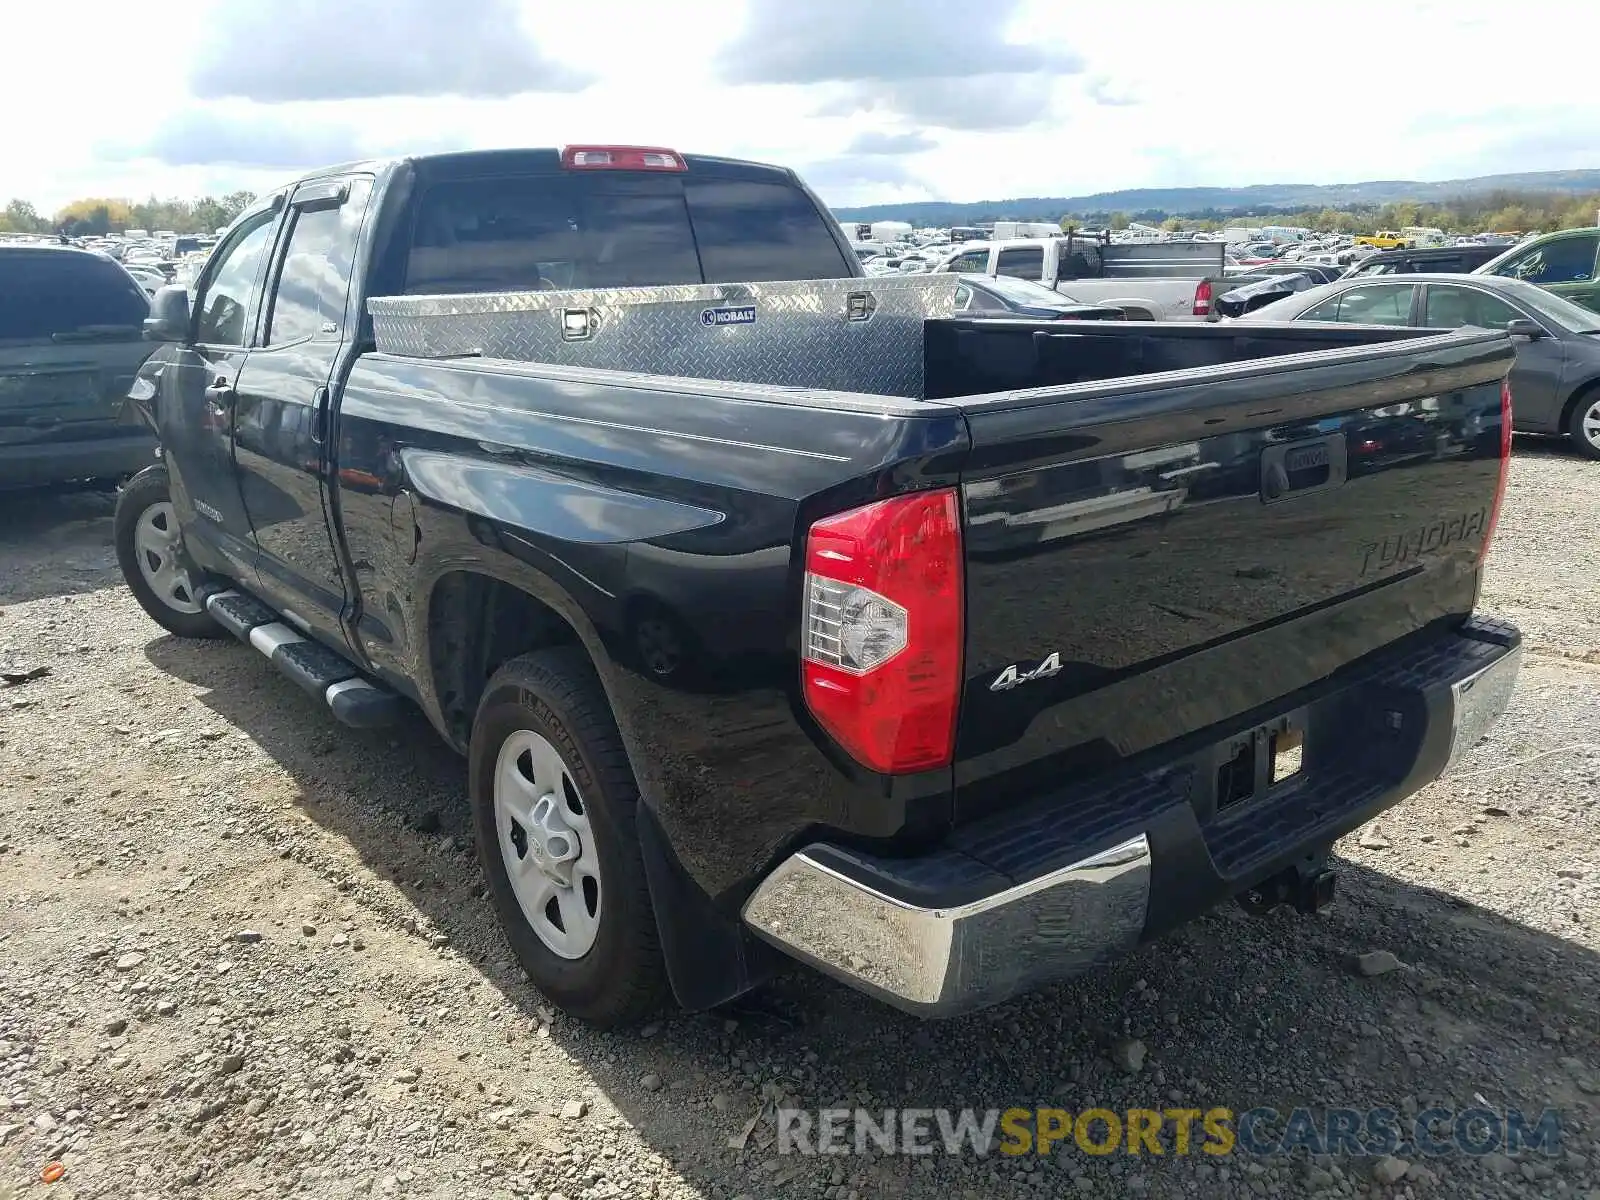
x=1148, y=281
x=784, y=614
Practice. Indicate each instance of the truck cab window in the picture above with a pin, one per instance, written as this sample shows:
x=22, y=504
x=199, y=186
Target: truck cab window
x=224, y=301
x=748, y=232
x=972, y=262
x=1026, y=262
x=543, y=233
x=314, y=279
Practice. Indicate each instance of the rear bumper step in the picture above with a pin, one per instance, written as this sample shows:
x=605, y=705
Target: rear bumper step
x=354, y=699
x=1070, y=881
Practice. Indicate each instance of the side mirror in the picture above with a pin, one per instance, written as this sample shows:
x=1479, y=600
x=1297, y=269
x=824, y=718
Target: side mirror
x=169, y=315
x=1522, y=327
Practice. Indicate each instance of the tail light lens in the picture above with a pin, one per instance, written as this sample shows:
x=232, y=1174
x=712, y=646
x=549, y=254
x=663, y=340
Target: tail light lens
x=1505, y=467
x=1202, y=299
x=881, y=656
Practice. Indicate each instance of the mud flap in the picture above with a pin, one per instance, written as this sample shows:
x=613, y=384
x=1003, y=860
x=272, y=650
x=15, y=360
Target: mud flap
x=711, y=958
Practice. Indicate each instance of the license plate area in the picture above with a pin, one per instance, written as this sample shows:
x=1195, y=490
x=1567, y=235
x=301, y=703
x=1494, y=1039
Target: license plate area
x=1252, y=763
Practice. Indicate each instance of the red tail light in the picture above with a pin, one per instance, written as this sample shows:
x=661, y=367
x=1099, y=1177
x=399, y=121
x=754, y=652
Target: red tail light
x=1505, y=467
x=1202, y=299
x=881, y=642
x=621, y=158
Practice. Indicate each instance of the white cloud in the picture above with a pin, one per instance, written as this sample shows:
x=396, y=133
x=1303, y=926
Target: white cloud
x=889, y=100
x=285, y=50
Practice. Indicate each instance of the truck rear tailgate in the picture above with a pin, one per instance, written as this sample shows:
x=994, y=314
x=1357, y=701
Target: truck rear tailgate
x=1157, y=557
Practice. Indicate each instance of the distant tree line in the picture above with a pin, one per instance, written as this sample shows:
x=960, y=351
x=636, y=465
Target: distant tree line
x=1526, y=212
x=102, y=215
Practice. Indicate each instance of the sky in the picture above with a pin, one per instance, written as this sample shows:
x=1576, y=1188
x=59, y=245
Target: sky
x=873, y=101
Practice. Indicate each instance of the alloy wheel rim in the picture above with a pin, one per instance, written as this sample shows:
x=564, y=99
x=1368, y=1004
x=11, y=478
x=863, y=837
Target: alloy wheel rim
x=547, y=844
x=159, y=548
x=1590, y=425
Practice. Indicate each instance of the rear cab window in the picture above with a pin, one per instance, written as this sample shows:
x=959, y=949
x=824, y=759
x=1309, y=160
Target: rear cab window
x=62, y=294
x=601, y=229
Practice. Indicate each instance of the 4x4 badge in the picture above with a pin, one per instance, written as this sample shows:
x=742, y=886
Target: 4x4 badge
x=1011, y=677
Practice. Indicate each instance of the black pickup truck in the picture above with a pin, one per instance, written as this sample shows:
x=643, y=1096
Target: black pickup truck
x=778, y=619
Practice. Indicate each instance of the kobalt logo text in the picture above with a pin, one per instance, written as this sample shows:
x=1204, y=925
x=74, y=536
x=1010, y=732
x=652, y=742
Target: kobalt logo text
x=739, y=314
x=1011, y=677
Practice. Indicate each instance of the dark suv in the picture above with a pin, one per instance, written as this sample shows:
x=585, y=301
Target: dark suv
x=1455, y=260
x=71, y=341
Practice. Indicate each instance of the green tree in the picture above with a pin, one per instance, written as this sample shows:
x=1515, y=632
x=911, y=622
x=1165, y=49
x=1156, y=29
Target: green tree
x=21, y=217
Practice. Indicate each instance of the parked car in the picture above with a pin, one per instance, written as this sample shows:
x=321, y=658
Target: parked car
x=71, y=342
x=1249, y=297
x=1317, y=272
x=1556, y=380
x=1435, y=259
x=775, y=619
x=1003, y=296
x=1564, y=263
x=148, y=278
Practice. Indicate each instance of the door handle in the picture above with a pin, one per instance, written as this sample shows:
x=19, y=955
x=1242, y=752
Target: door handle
x=319, y=417
x=221, y=392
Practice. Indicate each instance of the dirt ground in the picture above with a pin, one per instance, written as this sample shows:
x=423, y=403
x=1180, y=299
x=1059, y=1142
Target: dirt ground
x=244, y=951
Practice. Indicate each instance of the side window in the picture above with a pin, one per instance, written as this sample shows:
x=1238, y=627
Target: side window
x=973, y=261
x=1566, y=260
x=1328, y=310
x=1025, y=262
x=1388, y=304
x=1451, y=307
x=314, y=280
x=980, y=301
x=225, y=301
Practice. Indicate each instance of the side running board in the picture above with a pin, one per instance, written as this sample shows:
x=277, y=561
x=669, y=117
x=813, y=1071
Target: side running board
x=354, y=699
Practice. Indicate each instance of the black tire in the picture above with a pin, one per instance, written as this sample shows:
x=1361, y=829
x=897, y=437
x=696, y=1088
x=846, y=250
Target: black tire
x=144, y=491
x=555, y=694
x=1585, y=403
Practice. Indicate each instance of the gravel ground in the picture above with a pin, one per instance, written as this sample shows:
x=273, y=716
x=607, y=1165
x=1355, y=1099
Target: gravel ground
x=244, y=951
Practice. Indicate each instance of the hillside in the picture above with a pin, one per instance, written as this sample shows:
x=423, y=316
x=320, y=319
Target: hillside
x=1220, y=201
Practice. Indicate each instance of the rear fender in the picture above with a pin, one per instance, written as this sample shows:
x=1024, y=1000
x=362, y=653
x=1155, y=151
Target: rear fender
x=564, y=542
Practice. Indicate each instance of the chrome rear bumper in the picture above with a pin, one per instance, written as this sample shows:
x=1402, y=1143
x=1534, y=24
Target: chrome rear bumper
x=1477, y=701
x=940, y=962
x=996, y=937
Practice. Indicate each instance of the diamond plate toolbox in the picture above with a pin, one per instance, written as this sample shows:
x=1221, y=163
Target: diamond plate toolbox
x=850, y=335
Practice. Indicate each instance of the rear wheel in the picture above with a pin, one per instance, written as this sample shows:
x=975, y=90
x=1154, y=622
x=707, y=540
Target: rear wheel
x=1583, y=427
x=553, y=801
x=150, y=551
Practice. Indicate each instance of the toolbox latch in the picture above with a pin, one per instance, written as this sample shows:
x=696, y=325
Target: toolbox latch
x=859, y=306
x=578, y=324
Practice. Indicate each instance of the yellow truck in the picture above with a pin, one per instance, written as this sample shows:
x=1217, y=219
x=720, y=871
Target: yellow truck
x=1385, y=239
